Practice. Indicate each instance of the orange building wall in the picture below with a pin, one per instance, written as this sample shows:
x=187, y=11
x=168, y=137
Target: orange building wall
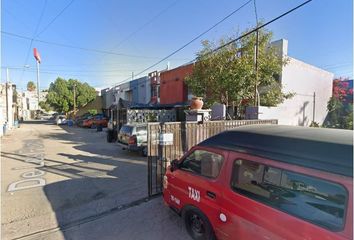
x=172, y=86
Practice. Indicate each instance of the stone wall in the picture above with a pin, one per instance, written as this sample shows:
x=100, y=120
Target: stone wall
x=146, y=115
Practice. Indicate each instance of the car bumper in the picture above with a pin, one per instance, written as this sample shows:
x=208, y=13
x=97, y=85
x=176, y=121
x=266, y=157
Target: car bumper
x=130, y=147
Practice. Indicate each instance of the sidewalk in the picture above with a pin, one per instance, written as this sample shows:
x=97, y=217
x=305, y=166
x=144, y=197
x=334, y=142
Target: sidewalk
x=149, y=220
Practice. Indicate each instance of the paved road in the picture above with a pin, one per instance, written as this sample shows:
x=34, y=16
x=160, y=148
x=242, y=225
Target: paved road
x=58, y=182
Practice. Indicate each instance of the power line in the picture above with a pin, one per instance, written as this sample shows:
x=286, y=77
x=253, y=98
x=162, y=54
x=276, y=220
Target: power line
x=261, y=26
x=76, y=47
x=195, y=38
x=144, y=25
x=255, y=11
x=34, y=34
x=68, y=71
x=55, y=18
x=236, y=39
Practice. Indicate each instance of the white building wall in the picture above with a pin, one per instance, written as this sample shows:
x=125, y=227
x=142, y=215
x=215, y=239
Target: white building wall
x=10, y=122
x=122, y=91
x=303, y=79
x=6, y=113
x=2, y=106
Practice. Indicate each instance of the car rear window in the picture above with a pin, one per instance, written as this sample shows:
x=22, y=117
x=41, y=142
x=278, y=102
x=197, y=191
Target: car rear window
x=203, y=163
x=318, y=201
x=126, y=130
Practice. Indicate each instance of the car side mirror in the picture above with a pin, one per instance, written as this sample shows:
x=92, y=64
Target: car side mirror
x=174, y=165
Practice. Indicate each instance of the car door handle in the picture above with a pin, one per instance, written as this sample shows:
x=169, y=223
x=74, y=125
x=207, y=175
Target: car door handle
x=211, y=195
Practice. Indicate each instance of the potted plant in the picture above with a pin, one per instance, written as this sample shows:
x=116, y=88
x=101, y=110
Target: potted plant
x=197, y=103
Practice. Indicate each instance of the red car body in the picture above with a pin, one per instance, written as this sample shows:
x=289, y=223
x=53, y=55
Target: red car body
x=237, y=214
x=87, y=122
x=95, y=121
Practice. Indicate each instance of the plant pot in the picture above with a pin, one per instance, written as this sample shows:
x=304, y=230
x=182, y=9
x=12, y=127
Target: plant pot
x=197, y=103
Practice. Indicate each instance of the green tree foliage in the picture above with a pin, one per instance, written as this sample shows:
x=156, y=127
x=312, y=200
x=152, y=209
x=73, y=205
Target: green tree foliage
x=45, y=106
x=61, y=94
x=228, y=75
x=92, y=111
x=31, y=86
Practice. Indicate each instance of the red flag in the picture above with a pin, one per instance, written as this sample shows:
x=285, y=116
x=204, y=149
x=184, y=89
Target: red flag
x=36, y=55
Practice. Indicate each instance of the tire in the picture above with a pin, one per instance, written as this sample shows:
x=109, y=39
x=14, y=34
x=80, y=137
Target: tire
x=197, y=224
x=115, y=135
x=109, y=136
x=144, y=152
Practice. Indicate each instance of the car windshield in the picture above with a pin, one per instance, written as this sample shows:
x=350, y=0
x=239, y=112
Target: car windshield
x=127, y=130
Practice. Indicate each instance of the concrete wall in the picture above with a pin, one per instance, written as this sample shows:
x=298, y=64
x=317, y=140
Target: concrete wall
x=2, y=105
x=107, y=97
x=137, y=91
x=144, y=90
x=122, y=91
x=95, y=104
x=7, y=106
x=134, y=88
x=302, y=79
x=172, y=86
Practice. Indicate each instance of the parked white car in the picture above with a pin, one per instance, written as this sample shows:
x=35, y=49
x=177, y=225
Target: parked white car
x=60, y=120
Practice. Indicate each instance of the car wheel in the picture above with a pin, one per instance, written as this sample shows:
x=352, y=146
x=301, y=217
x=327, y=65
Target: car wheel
x=197, y=224
x=144, y=152
x=109, y=136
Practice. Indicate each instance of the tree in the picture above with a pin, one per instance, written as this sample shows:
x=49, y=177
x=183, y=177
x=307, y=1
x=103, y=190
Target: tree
x=31, y=86
x=228, y=75
x=61, y=94
x=340, y=106
x=45, y=106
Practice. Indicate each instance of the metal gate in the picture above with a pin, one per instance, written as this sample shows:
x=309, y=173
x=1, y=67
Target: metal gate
x=170, y=140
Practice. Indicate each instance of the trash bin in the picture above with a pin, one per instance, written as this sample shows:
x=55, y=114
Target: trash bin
x=70, y=123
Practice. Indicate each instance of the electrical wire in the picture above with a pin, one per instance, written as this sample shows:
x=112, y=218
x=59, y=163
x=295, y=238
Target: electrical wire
x=144, y=25
x=236, y=39
x=55, y=18
x=77, y=47
x=261, y=26
x=195, y=38
x=34, y=34
x=255, y=11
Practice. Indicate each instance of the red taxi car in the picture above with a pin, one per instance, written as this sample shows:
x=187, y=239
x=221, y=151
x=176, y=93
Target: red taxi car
x=266, y=182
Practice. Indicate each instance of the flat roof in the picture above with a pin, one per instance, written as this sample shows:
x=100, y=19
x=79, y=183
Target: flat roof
x=329, y=150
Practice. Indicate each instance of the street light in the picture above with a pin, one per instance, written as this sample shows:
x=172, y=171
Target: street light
x=38, y=61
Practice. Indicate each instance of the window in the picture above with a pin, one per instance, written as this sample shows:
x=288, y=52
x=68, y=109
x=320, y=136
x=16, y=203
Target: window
x=126, y=130
x=315, y=200
x=203, y=163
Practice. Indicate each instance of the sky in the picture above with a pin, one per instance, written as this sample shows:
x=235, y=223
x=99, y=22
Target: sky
x=105, y=42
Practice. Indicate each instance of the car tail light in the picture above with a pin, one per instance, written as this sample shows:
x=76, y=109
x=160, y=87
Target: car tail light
x=132, y=140
x=165, y=182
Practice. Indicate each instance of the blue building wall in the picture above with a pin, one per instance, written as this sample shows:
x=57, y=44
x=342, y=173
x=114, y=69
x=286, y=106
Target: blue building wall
x=134, y=89
x=144, y=90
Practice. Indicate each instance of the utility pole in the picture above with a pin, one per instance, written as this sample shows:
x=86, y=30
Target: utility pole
x=132, y=75
x=38, y=61
x=6, y=92
x=314, y=107
x=74, y=100
x=37, y=86
x=256, y=97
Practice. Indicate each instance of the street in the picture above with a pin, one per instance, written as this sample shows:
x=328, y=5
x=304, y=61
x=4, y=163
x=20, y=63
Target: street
x=61, y=182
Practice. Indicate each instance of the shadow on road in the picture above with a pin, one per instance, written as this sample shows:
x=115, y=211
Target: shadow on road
x=94, y=176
